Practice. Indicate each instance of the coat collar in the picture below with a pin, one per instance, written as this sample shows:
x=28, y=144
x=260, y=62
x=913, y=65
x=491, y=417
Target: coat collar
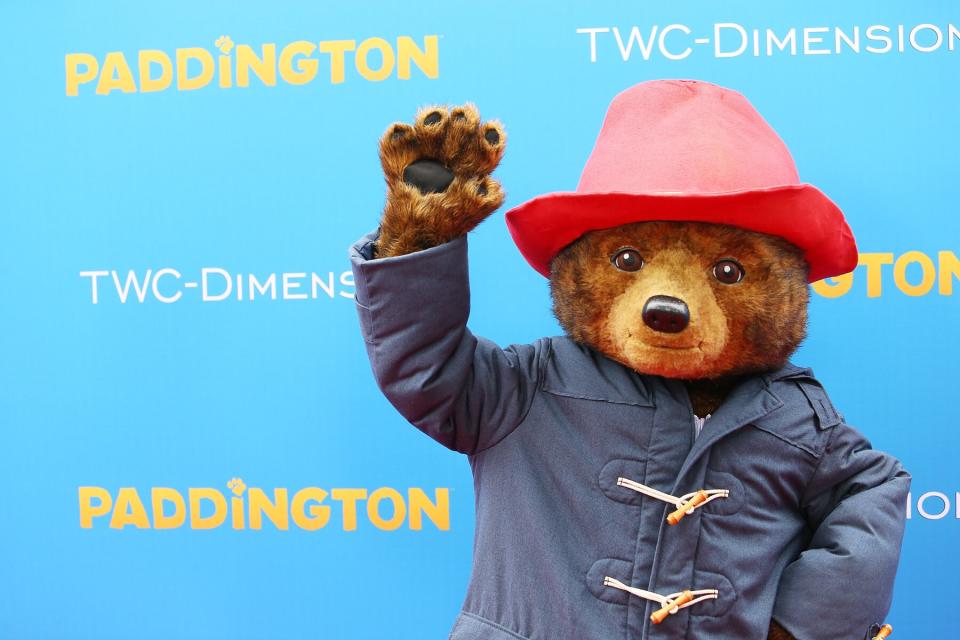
x=578, y=371
x=749, y=401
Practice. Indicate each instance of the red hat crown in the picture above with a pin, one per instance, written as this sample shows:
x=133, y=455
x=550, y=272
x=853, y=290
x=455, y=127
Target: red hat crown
x=685, y=136
x=687, y=150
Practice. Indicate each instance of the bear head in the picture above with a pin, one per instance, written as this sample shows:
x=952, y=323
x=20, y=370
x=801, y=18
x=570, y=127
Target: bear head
x=684, y=300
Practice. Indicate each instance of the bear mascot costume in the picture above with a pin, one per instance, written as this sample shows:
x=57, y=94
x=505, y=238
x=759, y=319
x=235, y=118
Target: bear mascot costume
x=662, y=471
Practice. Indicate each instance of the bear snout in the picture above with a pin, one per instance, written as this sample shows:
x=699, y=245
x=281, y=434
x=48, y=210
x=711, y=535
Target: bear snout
x=666, y=314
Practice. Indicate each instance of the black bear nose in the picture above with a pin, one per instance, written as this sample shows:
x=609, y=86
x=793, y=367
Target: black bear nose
x=666, y=314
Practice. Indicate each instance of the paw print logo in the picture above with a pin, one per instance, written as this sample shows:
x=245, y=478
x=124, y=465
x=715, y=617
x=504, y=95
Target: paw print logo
x=225, y=44
x=236, y=485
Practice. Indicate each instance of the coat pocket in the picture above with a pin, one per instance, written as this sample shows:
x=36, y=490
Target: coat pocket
x=470, y=626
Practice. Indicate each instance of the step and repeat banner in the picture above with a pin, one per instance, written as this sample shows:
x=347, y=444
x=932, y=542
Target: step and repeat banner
x=193, y=445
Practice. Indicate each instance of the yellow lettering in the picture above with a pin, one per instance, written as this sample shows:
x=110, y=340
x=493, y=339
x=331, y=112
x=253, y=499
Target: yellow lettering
x=427, y=59
x=76, y=77
x=149, y=57
x=386, y=61
x=949, y=269
x=874, y=263
x=900, y=273
x=236, y=513
x=319, y=513
x=184, y=81
x=115, y=74
x=159, y=495
x=399, y=509
x=277, y=511
x=306, y=68
x=337, y=50
x=129, y=510
x=307, y=508
x=197, y=521
x=265, y=68
x=89, y=510
x=438, y=512
x=226, y=72
x=834, y=287
x=349, y=499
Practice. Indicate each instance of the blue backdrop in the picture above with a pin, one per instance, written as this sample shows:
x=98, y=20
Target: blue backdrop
x=150, y=415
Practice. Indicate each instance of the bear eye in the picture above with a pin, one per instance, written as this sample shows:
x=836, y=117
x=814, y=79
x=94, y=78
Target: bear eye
x=627, y=259
x=728, y=271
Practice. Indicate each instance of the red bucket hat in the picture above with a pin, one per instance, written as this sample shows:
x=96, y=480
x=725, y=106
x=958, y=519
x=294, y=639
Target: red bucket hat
x=687, y=150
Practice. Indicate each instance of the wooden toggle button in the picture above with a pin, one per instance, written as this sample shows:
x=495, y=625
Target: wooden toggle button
x=660, y=615
x=698, y=498
x=884, y=632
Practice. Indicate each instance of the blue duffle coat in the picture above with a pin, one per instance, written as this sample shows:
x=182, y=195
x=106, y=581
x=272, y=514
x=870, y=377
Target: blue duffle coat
x=809, y=534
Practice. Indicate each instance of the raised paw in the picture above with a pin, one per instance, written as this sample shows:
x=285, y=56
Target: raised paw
x=437, y=173
x=456, y=139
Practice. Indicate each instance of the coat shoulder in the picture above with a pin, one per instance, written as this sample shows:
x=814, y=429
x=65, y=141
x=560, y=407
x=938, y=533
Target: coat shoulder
x=806, y=414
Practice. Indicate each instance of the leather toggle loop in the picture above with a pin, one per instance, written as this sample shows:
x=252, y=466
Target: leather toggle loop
x=669, y=604
x=685, y=504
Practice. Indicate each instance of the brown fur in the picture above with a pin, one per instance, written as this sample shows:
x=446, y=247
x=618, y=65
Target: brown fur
x=735, y=329
x=412, y=220
x=778, y=633
x=753, y=325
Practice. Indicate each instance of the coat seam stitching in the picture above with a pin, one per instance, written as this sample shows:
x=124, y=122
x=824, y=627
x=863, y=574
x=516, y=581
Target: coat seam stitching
x=566, y=394
x=816, y=468
x=783, y=438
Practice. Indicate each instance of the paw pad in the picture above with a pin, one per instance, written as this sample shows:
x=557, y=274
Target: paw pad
x=445, y=150
x=429, y=176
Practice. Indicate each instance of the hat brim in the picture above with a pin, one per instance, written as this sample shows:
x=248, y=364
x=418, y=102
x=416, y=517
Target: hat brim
x=799, y=213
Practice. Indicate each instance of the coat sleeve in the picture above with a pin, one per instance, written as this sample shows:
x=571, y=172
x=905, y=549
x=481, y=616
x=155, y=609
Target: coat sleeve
x=855, y=504
x=461, y=390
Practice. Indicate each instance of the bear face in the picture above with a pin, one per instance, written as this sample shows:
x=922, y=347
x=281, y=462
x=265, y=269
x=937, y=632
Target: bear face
x=662, y=308
x=683, y=300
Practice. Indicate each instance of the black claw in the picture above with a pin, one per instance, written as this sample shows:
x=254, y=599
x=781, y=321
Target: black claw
x=428, y=176
x=398, y=133
x=491, y=136
x=432, y=118
x=482, y=189
x=459, y=115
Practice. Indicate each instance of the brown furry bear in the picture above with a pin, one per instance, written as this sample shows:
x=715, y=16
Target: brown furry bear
x=752, y=327
x=736, y=330
x=715, y=308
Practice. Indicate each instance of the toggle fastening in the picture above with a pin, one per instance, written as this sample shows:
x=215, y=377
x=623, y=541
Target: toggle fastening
x=669, y=604
x=884, y=632
x=685, y=504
